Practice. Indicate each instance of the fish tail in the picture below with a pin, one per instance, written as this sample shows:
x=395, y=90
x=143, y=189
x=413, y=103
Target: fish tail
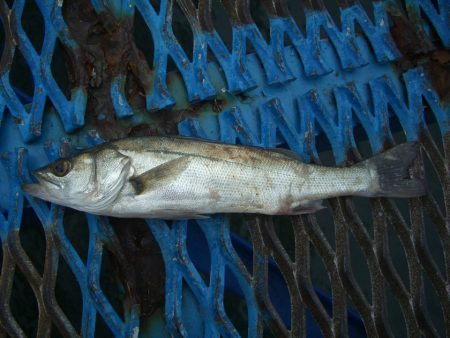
x=390, y=174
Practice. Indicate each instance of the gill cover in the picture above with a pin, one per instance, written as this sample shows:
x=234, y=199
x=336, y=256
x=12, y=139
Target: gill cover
x=112, y=170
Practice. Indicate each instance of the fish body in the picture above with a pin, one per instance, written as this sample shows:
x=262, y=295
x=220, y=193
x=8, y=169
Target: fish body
x=175, y=178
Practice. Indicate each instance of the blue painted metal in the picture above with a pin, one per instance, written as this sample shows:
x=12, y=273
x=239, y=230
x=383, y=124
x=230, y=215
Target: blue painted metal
x=282, y=95
x=29, y=120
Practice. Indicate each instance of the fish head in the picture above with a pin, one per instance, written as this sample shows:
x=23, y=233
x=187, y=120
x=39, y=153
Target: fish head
x=87, y=182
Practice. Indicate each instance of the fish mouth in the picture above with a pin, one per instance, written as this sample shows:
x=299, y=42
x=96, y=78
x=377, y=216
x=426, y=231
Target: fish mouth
x=37, y=189
x=33, y=189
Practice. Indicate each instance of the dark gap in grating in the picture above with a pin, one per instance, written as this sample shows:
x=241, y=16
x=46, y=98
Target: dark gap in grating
x=2, y=37
x=433, y=305
x=68, y=294
x=59, y=69
x=434, y=185
x=4, y=172
x=368, y=6
x=267, y=333
x=279, y=292
x=33, y=24
x=396, y=128
x=198, y=250
x=279, y=137
x=398, y=254
x=324, y=36
x=171, y=66
x=156, y=323
x=319, y=274
x=403, y=206
x=77, y=231
x=285, y=232
x=239, y=226
x=101, y=329
x=221, y=23
x=364, y=210
x=32, y=238
x=170, y=223
x=249, y=49
x=23, y=304
x=20, y=75
x=362, y=142
x=183, y=31
x=55, y=333
x=143, y=38
x=195, y=2
x=394, y=314
x=323, y=147
x=326, y=223
x=334, y=9
x=361, y=272
x=287, y=41
x=10, y=3
x=242, y=241
x=259, y=16
x=297, y=10
x=110, y=284
x=435, y=132
x=235, y=306
x=155, y=4
x=433, y=243
x=1, y=255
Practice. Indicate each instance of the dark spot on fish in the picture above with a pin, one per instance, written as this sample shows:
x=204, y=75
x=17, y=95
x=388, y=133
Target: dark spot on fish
x=214, y=195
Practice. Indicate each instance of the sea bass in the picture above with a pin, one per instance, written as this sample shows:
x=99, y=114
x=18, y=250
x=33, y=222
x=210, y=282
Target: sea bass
x=183, y=178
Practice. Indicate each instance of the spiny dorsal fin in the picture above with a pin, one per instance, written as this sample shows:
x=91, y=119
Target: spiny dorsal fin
x=159, y=176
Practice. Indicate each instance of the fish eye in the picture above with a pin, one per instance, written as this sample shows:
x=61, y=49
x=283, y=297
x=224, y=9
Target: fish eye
x=61, y=168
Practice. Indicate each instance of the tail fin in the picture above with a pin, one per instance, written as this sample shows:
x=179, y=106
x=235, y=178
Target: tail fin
x=390, y=172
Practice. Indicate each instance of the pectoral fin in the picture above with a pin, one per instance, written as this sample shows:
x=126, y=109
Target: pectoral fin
x=159, y=176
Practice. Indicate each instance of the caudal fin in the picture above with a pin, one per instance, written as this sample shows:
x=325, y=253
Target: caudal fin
x=390, y=173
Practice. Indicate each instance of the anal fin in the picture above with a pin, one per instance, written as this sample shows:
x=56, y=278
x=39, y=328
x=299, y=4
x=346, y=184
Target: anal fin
x=308, y=207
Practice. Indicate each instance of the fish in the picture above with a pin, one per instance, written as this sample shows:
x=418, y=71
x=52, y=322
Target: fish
x=186, y=178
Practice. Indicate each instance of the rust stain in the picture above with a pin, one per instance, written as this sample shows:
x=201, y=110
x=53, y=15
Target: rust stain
x=107, y=50
x=139, y=265
x=408, y=38
x=419, y=51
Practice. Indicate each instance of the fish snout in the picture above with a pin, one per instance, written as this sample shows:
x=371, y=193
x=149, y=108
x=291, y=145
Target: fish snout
x=33, y=188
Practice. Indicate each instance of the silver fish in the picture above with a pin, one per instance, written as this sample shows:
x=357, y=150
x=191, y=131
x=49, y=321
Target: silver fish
x=183, y=178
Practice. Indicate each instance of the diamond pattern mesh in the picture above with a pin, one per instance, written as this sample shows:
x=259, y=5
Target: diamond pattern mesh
x=335, y=86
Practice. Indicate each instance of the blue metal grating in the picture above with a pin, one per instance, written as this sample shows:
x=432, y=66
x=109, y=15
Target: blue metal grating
x=299, y=87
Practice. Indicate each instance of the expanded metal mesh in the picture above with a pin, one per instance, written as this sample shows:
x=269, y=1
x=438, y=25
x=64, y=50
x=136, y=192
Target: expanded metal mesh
x=358, y=82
